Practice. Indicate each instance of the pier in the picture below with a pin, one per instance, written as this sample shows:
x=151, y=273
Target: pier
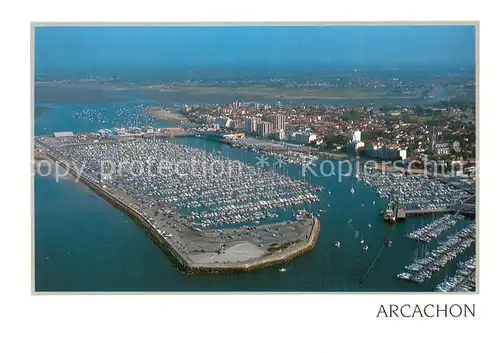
x=464, y=279
x=465, y=209
x=244, y=248
x=420, y=194
x=426, y=267
x=420, y=212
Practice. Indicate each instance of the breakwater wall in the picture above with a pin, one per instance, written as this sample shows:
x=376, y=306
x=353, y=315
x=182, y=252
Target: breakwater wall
x=265, y=261
x=139, y=219
x=183, y=260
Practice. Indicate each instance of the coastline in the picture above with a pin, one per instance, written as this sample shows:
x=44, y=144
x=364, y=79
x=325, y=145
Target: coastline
x=161, y=114
x=190, y=263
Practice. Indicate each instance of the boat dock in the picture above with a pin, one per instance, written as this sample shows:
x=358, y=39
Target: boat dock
x=426, y=267
x=420, y=194
x=464, y=279
x=434, y=229
x=419, y=212
x=242, y=248
x=402, y=213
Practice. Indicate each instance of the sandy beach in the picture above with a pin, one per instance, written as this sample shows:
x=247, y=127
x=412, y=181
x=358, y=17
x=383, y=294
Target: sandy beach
x=164, y=114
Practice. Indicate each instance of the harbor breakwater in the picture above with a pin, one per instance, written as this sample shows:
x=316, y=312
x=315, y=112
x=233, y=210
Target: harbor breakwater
x=184, y=262
x=267, y=260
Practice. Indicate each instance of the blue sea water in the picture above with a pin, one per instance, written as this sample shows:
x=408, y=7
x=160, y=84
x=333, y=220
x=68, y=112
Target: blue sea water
x=84, y=244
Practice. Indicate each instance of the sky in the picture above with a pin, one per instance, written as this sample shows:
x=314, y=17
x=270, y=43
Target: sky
x=125, y=48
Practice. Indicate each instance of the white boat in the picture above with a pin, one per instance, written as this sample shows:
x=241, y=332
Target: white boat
x=282, y=269
x=404, y=275
x=337, y=244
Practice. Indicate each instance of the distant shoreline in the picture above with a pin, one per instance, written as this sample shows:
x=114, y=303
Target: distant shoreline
x=164, y=114
x=253, y=92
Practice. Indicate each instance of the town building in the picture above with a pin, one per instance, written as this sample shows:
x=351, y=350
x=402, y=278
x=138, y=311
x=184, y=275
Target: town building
x=304, y=138
x=438, y=148
x=264, y=129
x=63, y=134
x=279, y=122
x=441, y=148
x=354, y=146
x=251, y=124
x=354, y=143
x=224, y=122
x=356, y=136
x=279, y=134
x=388, y=153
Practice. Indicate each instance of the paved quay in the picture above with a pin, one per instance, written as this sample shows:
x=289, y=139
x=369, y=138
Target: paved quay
x=240, y=248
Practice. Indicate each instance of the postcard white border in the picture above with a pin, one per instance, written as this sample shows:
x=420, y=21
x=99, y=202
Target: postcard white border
x=142, y=323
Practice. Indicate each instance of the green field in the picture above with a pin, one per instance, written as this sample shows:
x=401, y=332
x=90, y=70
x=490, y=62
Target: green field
x=97, y=93
x=259, y=91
